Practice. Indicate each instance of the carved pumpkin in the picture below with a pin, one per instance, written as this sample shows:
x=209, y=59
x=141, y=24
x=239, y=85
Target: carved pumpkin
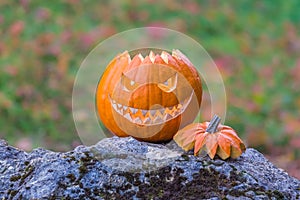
x=212, y=138
x=149, y=98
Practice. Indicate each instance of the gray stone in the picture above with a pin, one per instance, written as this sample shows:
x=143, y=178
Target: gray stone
x=124, y=168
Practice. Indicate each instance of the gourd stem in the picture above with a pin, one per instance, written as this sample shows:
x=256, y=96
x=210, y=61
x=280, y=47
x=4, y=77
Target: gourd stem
x=213, y=124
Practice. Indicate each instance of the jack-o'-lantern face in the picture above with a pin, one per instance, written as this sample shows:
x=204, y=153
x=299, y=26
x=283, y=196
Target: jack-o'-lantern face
x=149, y=98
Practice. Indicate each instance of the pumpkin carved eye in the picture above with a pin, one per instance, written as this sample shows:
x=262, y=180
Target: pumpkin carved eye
x=128, y=84
x=155, y=94
x=169, y=85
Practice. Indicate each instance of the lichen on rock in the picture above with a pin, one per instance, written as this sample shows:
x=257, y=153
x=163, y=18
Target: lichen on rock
x=124, y=168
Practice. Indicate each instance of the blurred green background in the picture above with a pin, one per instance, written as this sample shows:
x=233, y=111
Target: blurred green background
x=255, y=44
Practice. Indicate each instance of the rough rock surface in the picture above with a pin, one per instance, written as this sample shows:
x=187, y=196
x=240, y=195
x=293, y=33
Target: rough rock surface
x=123, y=168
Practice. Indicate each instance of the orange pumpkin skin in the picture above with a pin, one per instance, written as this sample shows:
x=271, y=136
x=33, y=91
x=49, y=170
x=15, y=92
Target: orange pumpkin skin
x=223, y=141
x=149, y=98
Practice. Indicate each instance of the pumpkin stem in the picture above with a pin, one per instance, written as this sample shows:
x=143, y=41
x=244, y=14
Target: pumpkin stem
x=213, y=124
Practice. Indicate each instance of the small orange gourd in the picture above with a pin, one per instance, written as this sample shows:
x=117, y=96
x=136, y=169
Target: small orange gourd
x=211, y=137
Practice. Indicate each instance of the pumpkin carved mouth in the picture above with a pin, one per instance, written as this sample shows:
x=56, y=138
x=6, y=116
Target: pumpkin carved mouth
x=149, y=94
x=152, y=116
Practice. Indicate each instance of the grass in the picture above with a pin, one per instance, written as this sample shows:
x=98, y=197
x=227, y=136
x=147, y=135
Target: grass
x=255, y=44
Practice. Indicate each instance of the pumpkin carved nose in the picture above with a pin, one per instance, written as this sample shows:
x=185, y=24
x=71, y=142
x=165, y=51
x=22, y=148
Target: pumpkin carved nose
x=149, y=96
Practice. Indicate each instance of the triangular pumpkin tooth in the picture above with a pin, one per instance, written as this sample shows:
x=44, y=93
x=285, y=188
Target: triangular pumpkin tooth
x=152, y=112
x=152, y=56
x=171, y=110
x=114, y=106
x=144, y=112
x=160, y=112
x=147, y=120
x=141, y=57
x=136, y=61
x=179, y=55
x=175, y=54
x=133, y=110
x=127, y=116
x=119, y=106
x=147, y=60
x=179, y=106
x=167, y=116
x=164, y=56
x=168, y=110
x=157, y=119
x=137, y=120
x=126, y=110
x=159, y=60
x=124, y=54
x=172, y=61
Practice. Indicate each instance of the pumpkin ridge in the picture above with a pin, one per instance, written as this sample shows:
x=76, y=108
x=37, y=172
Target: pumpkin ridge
x=138, y=121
